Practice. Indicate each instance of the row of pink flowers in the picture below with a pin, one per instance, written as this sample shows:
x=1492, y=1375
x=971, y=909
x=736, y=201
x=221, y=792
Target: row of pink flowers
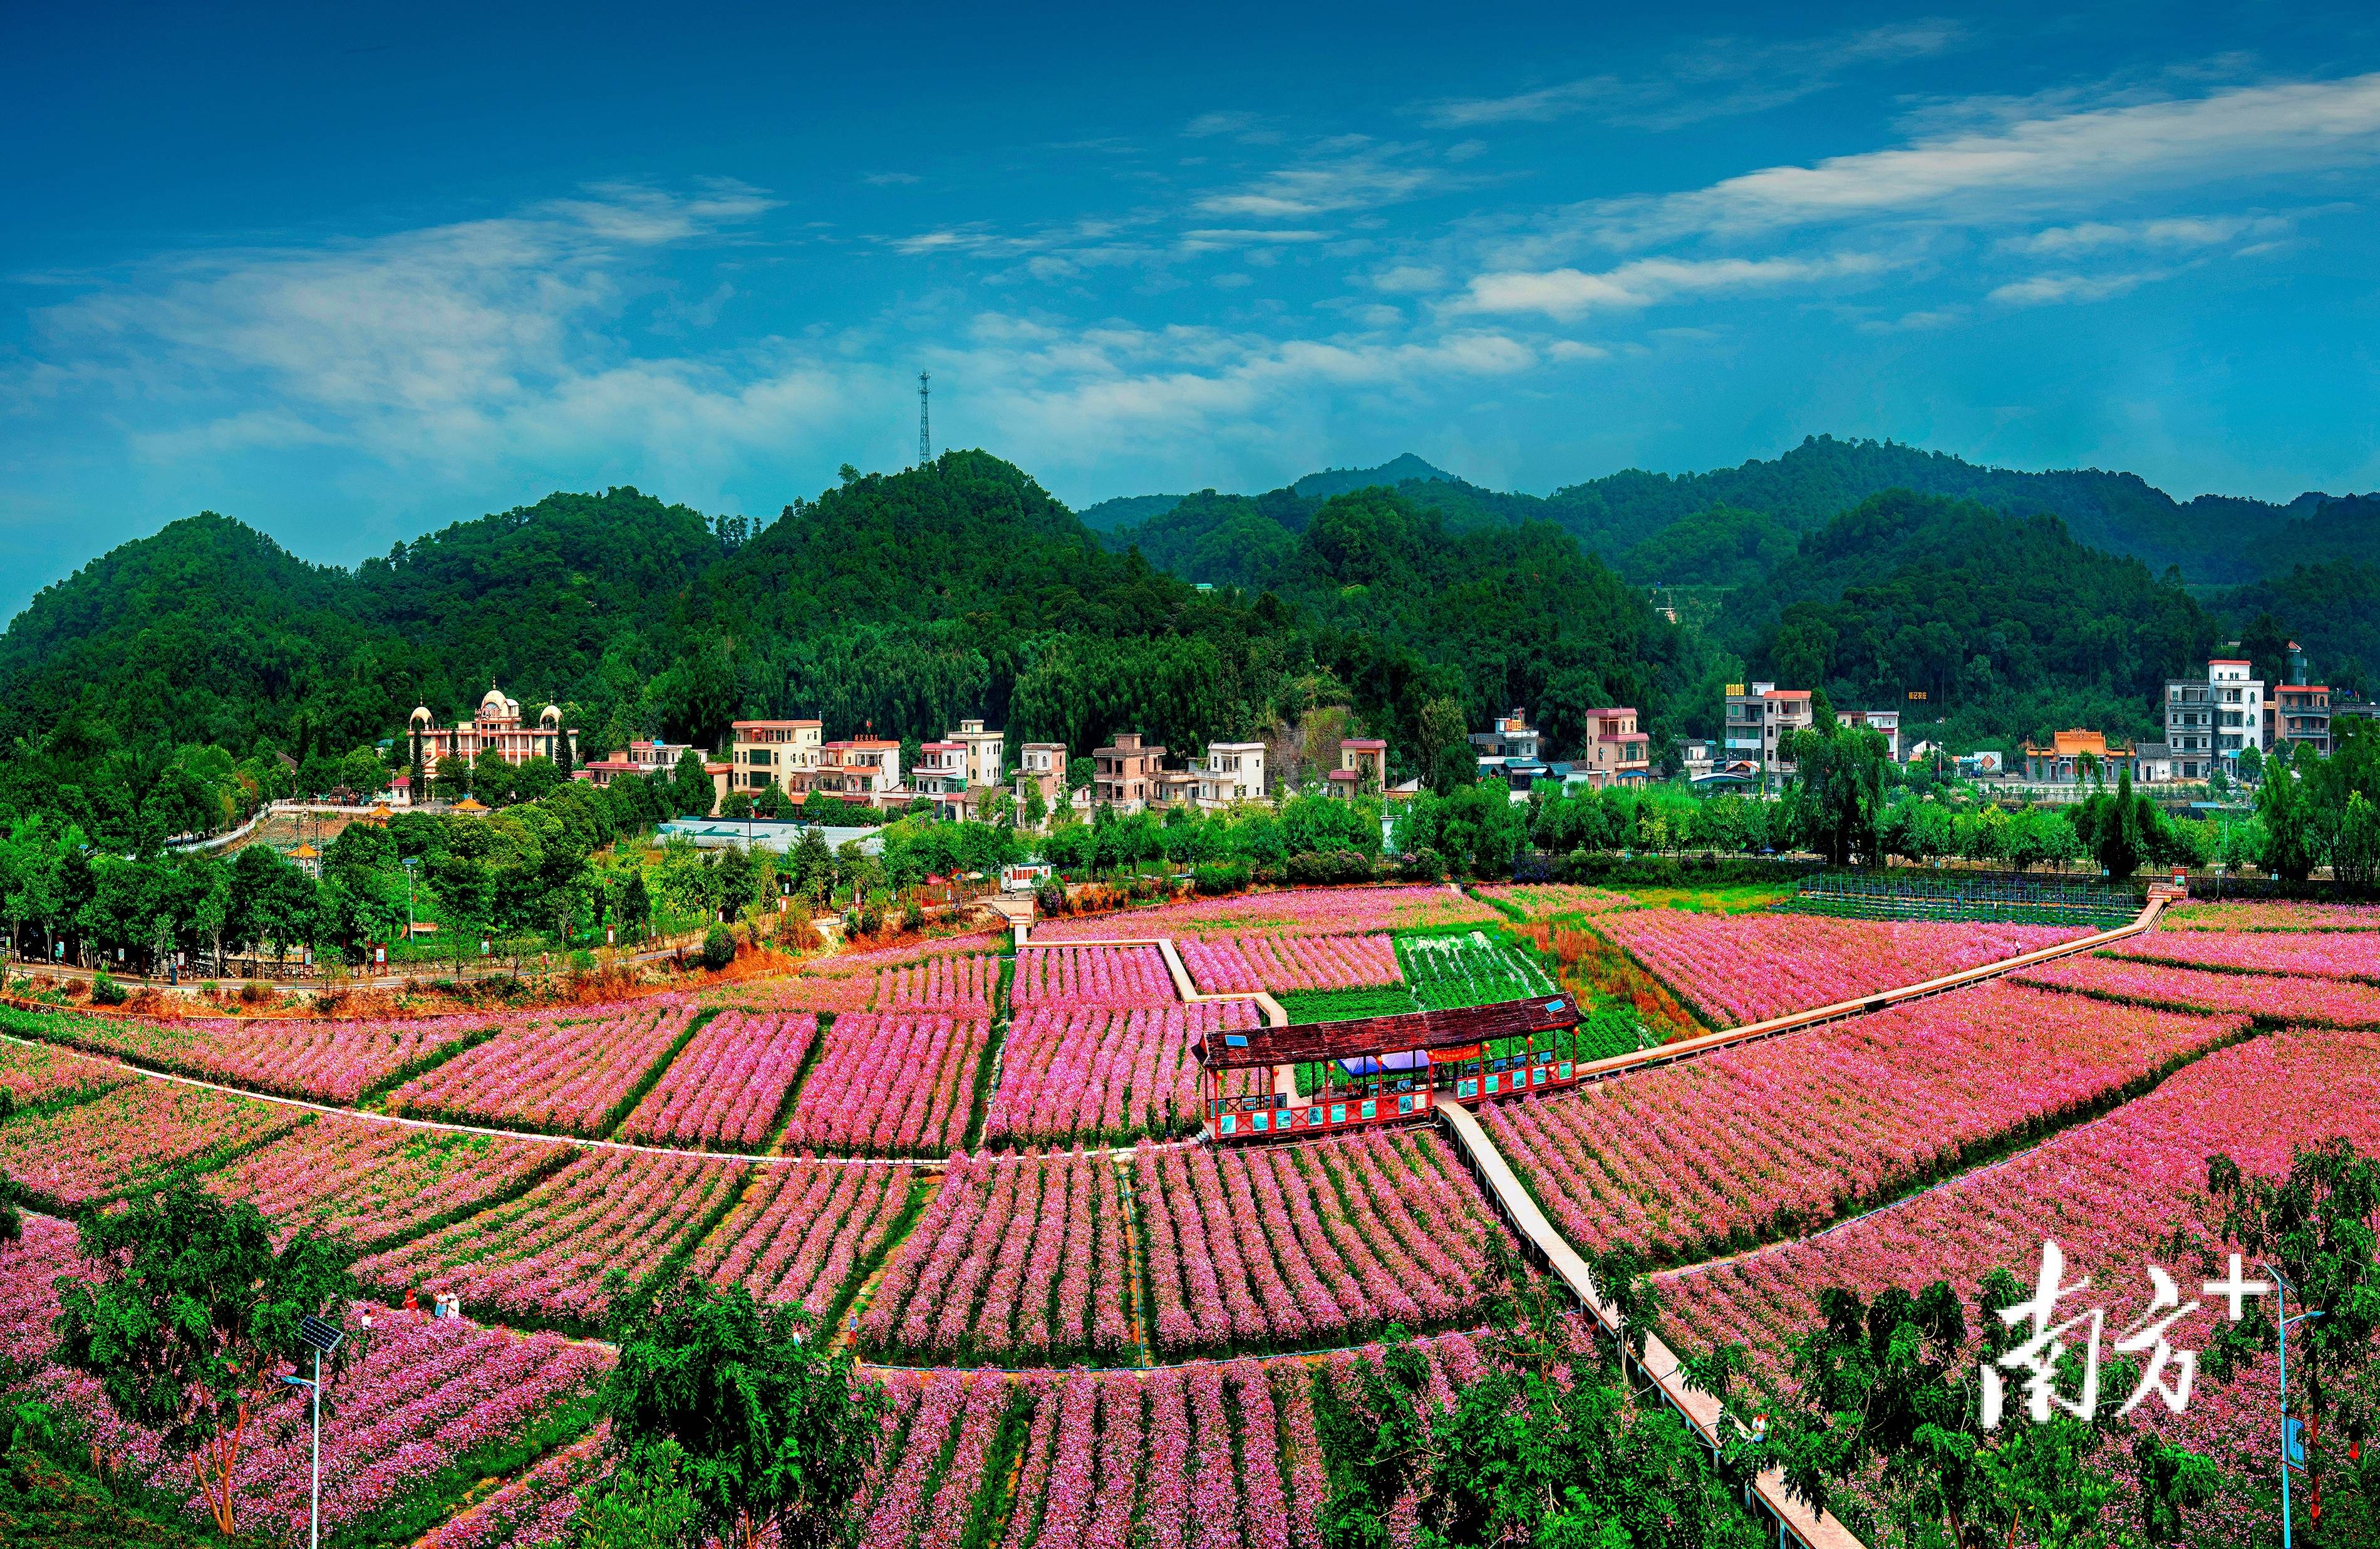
x=1546, y=900
x=130, y=1136
x=2310, y=954
x=2319, y=1002
x=959, y=985
x=1784, y=1134
x=2269, y=914
x=889, y=1085
x=333, y=1061
x=1105, y=1074
x=724, y=1088
x=566, y=1075
x=1291, y=1245
x=1221, y=964
x=1747, y=968
x=1091, y=976
x=2116, y=1195
x=1303, y=912
x=804, y=1229
x=1019, y=1256
x=531, y=1510
x=369, y=1181
x=542, y=1258
x=35, y=1074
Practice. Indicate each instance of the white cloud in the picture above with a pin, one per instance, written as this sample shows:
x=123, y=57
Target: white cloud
x=2181, y=231
x=1572, y=349
x=1719, y=78
x=1408, y=278
x=888, y=179
x=2042, y=290
x=1567, y=293
x=1347, y=175
x=2049, y=161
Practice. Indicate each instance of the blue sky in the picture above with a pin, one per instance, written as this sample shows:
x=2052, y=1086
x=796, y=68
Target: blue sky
x=351, y=273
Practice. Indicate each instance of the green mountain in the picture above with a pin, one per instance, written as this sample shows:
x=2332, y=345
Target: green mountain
x=1398, y=471
x=901, y=603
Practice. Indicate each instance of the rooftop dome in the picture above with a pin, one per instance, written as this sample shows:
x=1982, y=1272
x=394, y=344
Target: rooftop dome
x=550, y=715
x=420, y=716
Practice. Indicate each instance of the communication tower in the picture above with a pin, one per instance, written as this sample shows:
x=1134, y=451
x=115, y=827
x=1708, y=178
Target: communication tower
x=925, y=435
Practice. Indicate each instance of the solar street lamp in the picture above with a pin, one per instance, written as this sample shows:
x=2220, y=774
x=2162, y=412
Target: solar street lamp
x=321, y=1338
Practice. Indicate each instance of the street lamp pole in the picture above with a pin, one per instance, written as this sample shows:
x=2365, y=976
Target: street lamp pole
x=2282, y=1290
x=321, y=1338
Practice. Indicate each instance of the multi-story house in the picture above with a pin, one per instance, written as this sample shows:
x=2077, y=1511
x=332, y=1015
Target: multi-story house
x=1615, y=750
x=1124, y=773
x=647, y=759
x=1043, y=766
x=1884, y=723
x=1177, y=787
x=1363, y=768
x=780, y=753
x=2209, y=721
x=1230, y=772
x=1757, y=723
x=941, y=769
x=2298, y=716
x=985, y=749
x=496, y=730
x=1511, y=737
x=863, y=766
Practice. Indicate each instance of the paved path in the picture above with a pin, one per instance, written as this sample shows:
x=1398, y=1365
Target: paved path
x=1816, y=1531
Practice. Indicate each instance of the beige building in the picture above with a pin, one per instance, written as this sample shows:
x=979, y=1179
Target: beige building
x=1616, y=750
x=1125, y=772
x=860, y=767
x=496, y=730
x=780, y=753
x=1043, y=766
x=1758, y=720
x=985, y=752
x=1363, y=768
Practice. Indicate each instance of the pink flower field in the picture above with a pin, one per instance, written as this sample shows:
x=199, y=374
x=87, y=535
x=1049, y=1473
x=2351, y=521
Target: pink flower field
x=961, y=986
x=532, y=1510
x=888, y=1085
x=1288, y=1245
x=326, y=1061
x=137, y=1134
x=1019, y=1257
x=371, y=1181
x=562, y=1075
x=1104, y=1074
x=34, y=1074
x=1748, y=968
x=2113, y=1194
x=1783, y=1135
x=2271, y=915
x=723, y=1090
x=1221, y=964
x=2315, y=1002
x=1548, y=900
x=2303, y=954
x=1309, y=911
x=541, y=1261
x=804, y=1230
x=1070, y=976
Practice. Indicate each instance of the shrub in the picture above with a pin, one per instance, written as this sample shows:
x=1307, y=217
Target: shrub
x=1222, y=877
x=1425, y=865
x=1050, y=898
x=582, y=961
x=718, y=947
x=105, y=991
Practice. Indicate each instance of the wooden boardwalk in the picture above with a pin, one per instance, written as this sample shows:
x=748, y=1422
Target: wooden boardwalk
x=1796, y=1523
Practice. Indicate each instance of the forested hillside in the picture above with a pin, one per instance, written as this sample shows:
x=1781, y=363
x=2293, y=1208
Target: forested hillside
x=899, y=602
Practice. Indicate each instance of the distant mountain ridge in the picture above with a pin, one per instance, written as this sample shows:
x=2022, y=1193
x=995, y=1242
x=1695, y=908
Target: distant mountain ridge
x=2219, y=540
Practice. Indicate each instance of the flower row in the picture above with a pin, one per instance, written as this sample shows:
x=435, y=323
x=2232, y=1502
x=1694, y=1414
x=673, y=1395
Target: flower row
x=1783, y=1135
x=1019, y=1257
x=1291, y=1245
x=2317, y=1002
x=1090, y=976
x=2265, y=914
x=1304, y=911
x=563, y=1074
x=35, y=1074
x=332, y=1061
x=805, y=1231
x=2309, y=954
x=1104, y=1074
x=1548, y=900
x=725, y=1086
x=371, y=1182
x=959, y=986
x=1748, y=968
x=1221, y=964
x=138, y=1133
x=889, y=1085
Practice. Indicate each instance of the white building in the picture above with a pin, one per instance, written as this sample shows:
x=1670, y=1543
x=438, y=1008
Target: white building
x=1232, y=772
x=2209, y=721
x=985, y=752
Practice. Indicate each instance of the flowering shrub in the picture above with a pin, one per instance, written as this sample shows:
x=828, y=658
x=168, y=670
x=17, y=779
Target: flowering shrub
x=335, y=1062
x=723, y=1090
x=1300, y=1244
x=2308, y=954
x=1104, y=1074
x=2114, y=1194
x=1018, y=1257
x=564, y=1075
x=1221, y=964
x=2272, y=915
x=1747, y=968
x=134, y=1136
x=1310, y=911
x=805, y=1231
x=541, y=1261
x=2318, y=1001
x=1739, y=1145
x=1091, y=976
x=888, y=1085
x=36, y=1075
x=370, y=1181
x=1546, y=900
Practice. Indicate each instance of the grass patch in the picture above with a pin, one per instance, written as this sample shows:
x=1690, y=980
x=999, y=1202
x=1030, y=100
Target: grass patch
x=1447, y=970
x=1737, y=897
x=1341, y=1005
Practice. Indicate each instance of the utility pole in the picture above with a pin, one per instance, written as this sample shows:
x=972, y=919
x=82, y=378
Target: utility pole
x=925, y=435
